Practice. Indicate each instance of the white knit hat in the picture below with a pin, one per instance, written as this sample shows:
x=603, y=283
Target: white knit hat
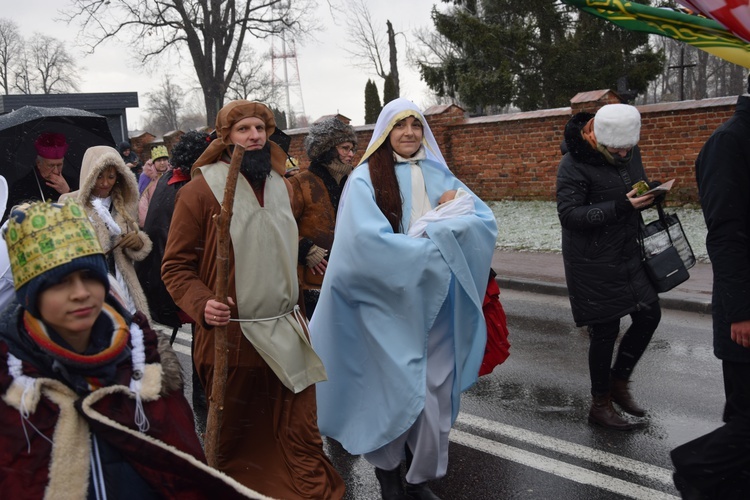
x=617, y=126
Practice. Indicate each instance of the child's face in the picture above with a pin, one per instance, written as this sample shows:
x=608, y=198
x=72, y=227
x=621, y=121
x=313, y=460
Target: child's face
x=71, y=306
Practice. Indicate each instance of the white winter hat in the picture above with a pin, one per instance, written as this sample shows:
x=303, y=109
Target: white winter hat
x=617, y=126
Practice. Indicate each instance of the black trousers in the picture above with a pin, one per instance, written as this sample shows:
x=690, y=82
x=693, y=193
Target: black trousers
x=718, y=463
x=632, y=346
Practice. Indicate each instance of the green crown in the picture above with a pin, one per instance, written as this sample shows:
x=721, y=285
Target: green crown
x=43, y=235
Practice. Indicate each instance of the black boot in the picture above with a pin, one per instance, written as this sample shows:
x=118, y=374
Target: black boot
x=420, y=492
x=391, y=487
x=604, y=414
x=624, y=399
x=687, y=490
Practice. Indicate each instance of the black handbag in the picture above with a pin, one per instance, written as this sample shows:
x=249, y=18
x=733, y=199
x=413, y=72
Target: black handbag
x=665, y=251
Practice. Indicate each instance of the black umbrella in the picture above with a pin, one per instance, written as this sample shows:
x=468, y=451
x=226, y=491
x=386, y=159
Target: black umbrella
x=282, y=139
x=19, y=130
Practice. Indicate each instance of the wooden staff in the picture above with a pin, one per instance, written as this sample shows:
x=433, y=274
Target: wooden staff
x=216, y=402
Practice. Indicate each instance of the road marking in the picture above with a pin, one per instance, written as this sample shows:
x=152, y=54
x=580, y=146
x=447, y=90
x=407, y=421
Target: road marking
x=607, y=459
x=567, y=448
x=540, y=462
x=558, y=468
x=181, y=349
x=178, y=347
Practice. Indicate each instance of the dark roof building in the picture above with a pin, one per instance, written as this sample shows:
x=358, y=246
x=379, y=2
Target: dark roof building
x=112, y=105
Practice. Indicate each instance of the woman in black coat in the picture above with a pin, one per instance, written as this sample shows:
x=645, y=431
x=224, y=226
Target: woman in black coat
x=600, y=214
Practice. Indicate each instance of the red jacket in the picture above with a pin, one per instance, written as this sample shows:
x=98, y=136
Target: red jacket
x=47, y=454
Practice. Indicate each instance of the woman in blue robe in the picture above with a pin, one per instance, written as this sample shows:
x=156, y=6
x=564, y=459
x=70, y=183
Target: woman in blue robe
x=399, y=323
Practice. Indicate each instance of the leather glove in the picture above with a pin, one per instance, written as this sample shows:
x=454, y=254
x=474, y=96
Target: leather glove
x=660, y=197
x=132, y=241
x=315, y=255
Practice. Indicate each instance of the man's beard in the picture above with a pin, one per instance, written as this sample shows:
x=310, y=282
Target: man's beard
x=256, y=165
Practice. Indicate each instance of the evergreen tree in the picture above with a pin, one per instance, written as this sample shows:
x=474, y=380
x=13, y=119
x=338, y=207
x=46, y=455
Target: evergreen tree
x=534, y=54
x=372, y=102
x=389, y=90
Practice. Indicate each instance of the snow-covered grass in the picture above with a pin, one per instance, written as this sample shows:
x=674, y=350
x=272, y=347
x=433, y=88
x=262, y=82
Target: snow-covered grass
x=533, y=226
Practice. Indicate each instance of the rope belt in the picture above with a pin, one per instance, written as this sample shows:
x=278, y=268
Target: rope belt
x=295, y=310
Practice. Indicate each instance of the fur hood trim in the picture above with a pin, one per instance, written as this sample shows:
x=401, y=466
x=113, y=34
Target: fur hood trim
x=88, y=409
x=69, y=466
x=172, y=379
x=577, y=145
x=95, y=161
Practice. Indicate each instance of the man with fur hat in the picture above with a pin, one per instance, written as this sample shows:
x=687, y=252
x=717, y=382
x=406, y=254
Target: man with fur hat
x=46, y=180
x=269, y=438
x=599, y=213
x=92, y=403
x=330, y=145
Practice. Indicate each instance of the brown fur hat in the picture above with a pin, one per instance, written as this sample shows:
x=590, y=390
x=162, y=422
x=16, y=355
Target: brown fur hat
x=326, y=134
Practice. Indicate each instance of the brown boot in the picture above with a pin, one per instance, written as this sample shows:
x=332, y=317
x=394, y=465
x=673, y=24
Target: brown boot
x=621, y=395
x=602, y=413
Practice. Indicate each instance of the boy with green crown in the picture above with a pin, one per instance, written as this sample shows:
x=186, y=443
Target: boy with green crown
x=92, y=403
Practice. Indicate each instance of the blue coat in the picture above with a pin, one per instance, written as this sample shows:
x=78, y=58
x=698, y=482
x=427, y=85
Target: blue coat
x=379, y=299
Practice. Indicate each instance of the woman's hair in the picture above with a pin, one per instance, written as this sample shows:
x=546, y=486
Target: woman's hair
x=385, y=183
x=188, y=150
x=117, y=195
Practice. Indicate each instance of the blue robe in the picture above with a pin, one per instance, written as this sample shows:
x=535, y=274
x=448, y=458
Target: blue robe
x=379, y=299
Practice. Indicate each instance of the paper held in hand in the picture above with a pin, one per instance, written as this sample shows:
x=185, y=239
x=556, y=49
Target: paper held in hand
x=660, y=188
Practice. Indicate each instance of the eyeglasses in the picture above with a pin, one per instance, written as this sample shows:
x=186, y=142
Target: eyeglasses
x=346, y=149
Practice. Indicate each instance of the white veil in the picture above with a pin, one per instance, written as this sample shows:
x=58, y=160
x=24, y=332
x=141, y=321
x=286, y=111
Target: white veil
x=393, y=112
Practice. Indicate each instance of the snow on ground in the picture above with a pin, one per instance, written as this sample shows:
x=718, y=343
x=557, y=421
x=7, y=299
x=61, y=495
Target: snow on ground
x=533, y=226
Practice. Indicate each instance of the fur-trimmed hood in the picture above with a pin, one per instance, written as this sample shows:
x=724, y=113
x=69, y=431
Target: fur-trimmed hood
x=124, y=213
x=95, y=161
x=577, y=145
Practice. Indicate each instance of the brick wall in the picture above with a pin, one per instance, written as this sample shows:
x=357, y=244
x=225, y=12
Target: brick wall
x=515, y=156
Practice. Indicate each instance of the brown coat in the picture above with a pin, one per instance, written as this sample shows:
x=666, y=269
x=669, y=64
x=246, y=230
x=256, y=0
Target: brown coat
x=314, y=206
x=269, y=439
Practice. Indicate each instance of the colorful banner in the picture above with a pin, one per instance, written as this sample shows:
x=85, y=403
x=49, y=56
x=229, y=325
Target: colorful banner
x=734, y=15
x=705, y=34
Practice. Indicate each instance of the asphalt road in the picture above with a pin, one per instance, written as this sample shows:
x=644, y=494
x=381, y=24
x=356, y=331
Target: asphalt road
x=522, y=432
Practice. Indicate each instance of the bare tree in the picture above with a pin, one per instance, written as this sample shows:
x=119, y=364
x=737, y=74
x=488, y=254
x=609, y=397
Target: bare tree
x=250, y=80
x=10, y=46
x=165, y=105
x=692, y=73
x=214, y=32
x=369, y=46
x=432, y=49
x=24, y=81
x=54, y=69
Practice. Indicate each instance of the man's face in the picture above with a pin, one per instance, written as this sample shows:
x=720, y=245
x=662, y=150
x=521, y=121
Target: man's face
x=126, y=152
x=249, y=132
x=48, y=167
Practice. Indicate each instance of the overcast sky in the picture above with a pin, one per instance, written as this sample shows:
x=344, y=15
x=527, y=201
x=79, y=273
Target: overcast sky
x=330, y=83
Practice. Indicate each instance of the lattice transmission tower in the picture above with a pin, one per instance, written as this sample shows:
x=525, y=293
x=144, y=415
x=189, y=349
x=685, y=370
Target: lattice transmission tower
x=285, y=75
